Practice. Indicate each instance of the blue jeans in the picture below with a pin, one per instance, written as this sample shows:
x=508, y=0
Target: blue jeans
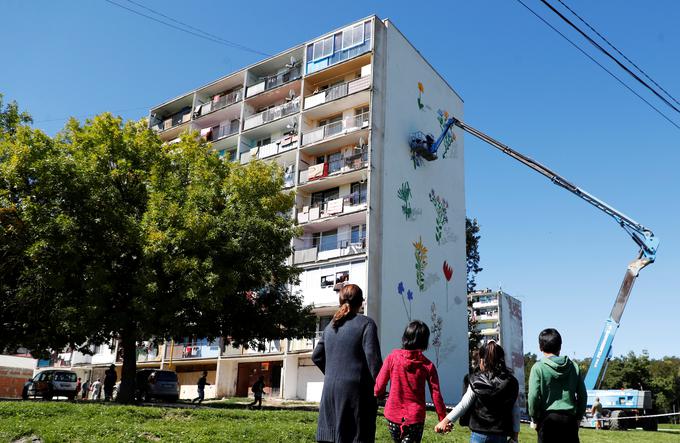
x=476, y=437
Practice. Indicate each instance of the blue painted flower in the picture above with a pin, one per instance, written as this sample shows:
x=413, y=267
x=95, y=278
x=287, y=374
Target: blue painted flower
x=400, y=288
x=409, y=295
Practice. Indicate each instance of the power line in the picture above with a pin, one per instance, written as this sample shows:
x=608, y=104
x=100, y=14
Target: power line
x=617, y=50
x=599, y=64
x=88, y=115
x=608, y=54
x=217, y=37
x=217, y=40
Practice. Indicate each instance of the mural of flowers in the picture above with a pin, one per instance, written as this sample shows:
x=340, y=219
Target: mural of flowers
x=441, y=207
x=409, y=296
x=421, y=263
x=421, y=90
x=442, y=118
x=404, y=194
x=437, y=326
x=416, y=159
x=448, y=273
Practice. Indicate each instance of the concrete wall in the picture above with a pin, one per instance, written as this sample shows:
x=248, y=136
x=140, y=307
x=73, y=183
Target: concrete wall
x=309, y=381
x=408, y=227
x=14, y=371
x=512, y=340
x=310, y=282
x=227, y=374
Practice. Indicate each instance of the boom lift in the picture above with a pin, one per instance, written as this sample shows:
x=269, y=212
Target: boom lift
x=619, y=402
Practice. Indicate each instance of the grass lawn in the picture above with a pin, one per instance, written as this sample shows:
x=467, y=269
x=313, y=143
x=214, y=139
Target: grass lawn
x=73, y=422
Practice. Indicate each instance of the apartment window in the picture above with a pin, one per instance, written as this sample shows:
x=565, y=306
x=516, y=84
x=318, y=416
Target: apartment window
x=327, y=281
x=359, y=192
x=358, y=233
x=353, y=36
x=324, y=321
x=263, y=142
x=335, y=162
x=322, y=49
x=363, y=111
x=322, y=197
x=330, y=120
x=326, y=241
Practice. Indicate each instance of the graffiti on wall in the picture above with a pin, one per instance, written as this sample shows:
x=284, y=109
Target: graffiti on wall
x=437, y=326
x=409, y=297
x=448, y=273
x=421, y=263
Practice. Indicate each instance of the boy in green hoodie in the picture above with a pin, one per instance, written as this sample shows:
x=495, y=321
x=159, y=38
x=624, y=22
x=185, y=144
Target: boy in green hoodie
x=557, y=394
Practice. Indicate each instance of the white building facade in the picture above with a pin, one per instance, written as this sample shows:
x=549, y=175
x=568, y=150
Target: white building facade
x=336, y=113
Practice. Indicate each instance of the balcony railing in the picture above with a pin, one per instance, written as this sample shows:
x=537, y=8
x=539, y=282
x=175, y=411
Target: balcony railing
x=172, y=121
x=357, y=160
x=148, y=354
x=343, y=126
x=353, y=202
x=219, y=132
x=338, y=91
x=272, y=114
x=274, y=81
x=221, y=102
x=269, y=347
x=338, y=57
x=341, y=248
x=485, y=304
x=198, y=349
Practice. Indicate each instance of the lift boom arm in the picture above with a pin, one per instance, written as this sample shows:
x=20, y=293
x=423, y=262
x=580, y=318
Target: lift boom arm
x=427, y=147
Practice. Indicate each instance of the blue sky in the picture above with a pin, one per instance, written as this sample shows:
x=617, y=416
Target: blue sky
x=521, y=83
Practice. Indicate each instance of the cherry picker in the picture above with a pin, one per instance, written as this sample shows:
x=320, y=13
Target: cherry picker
x=617, y=403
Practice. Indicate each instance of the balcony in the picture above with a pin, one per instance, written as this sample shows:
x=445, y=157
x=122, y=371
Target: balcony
x=172, y=121
x=345, y=205
x=272, y=114
x=338, y=91
x=148, y=352
x=329, y=249
x=219, y=132
x=268, y=347
x=485, y=304
x=489, y=317
x=339, y=56
x=192, y=350
x=274, y=81
x=304, y=344
x=218, y=102
x=336, y=129
x=323, y=175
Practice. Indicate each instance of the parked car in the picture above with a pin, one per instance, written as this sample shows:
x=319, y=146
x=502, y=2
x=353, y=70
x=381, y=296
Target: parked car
x=51, y=383
x=152, y=384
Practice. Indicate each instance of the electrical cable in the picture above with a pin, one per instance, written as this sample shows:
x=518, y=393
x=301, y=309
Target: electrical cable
x=88, y=115
x=205, y=37
x=617, y=50
x=599, y=64
x=217, y=37
x=608, y=54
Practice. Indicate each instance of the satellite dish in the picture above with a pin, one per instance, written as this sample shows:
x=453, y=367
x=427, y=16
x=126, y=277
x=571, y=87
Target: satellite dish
x=291, y=95
x=293, y=124
x=362, y=142
x=293, y=62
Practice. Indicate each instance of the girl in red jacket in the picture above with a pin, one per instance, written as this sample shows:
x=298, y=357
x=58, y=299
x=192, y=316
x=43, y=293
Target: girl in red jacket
x=408, y=369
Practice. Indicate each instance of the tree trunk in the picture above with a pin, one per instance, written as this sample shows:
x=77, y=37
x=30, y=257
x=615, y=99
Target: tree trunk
x=126, y=393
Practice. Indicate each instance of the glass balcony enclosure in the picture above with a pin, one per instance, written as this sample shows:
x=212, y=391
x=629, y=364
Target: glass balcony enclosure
x=343, y=45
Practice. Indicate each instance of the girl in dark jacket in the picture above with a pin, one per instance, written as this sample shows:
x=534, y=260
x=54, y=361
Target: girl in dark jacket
x=349, y=356
x=491, y=399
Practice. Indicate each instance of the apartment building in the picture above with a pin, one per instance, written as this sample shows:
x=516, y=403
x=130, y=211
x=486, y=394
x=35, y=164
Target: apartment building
x=497, y=316
x=336, y=114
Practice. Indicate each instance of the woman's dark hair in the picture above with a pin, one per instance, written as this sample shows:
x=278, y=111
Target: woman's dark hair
x=416, y=336
x=492, y=358
x=350, y=299
x=550, y=341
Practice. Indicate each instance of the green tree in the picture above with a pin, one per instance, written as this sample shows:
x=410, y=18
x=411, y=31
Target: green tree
x=120, y=236
x=530, y=360
x=11, y=118
x=472, y=237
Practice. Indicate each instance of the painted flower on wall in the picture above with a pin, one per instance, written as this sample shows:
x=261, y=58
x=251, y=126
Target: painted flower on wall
x=442, y=118
x=437, y=326
x=421, y=263
x=448, y=273
x=441, y=207
x=409, y=296
x=421, y=90
x=404, y=194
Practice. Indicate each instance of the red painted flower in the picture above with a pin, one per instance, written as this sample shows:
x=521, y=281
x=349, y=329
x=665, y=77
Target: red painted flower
x=448, y=271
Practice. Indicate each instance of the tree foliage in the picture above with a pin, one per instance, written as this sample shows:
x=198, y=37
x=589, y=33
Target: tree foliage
x=472, y=237
x=105, y=232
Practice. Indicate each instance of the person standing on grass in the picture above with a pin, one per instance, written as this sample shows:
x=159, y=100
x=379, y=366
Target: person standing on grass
x=596, y=411
x=258, y=392
x=348, y=354
x=201, y=388
x=86, y=389
x=557, y=394
x=408, y=370
x=97, y=389
x=491, y=399
x=78, y=387
x=110, y=377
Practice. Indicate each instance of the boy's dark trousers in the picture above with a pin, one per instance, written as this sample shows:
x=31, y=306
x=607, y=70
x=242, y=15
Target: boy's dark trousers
x=558, y=427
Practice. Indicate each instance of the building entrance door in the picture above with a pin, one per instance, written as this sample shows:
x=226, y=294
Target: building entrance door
x=248, y=373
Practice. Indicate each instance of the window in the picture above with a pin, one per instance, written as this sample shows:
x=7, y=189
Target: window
x=329, y=120
x=327, y=281
x=324, y=321
x=358, y=233
x=341, y=277
x=335, y=162
x=322, y=48
x=359, y=193
x=353, y=36
x=326, y=241
x=263, y=142
x=321, y=197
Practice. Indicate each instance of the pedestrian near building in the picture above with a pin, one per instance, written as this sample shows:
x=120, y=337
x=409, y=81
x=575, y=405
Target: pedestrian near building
x=348, y=354
x=110, y=377
x=86, y=389
x=78, y=387
x=97, y=389
x=200, y=387
x=557, y=394
x=596, y=412
x=408, y=370
x=490, y=400
x=258, y=392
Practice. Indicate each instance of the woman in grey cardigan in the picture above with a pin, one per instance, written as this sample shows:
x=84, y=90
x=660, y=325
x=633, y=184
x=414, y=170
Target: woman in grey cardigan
x=349, y=356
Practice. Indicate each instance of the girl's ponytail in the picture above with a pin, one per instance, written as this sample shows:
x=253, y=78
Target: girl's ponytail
x=350, y=300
